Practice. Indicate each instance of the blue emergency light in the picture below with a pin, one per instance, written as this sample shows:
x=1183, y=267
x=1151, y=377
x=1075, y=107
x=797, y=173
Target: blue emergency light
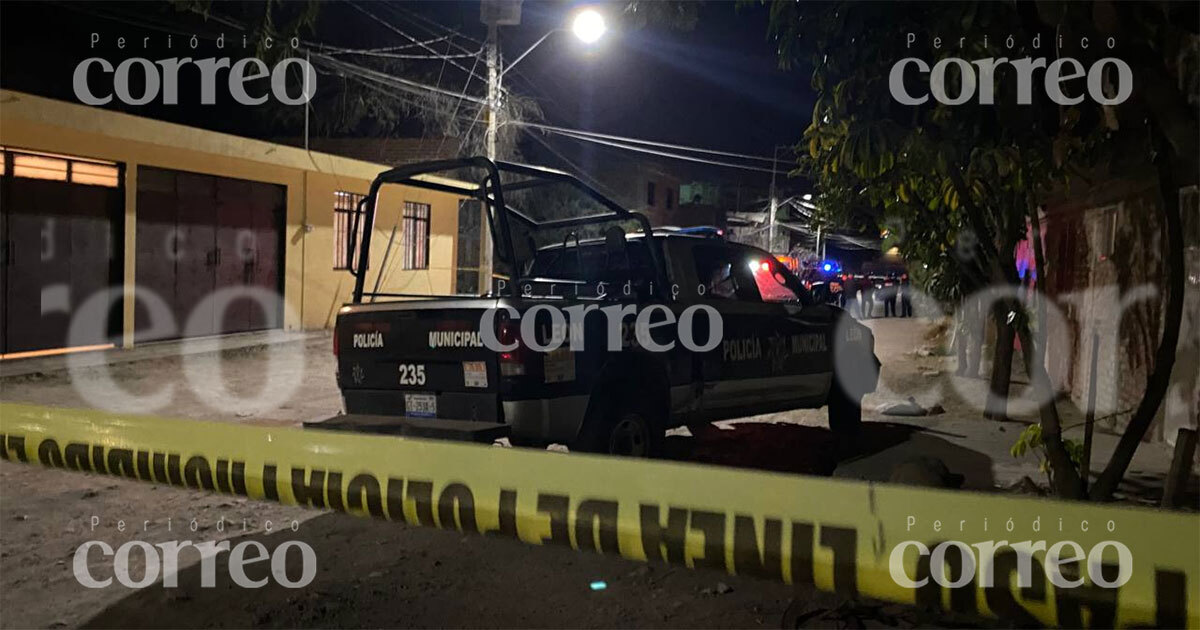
x=702, y=230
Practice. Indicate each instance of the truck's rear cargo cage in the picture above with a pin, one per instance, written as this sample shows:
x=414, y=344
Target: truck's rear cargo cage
x=488, y=182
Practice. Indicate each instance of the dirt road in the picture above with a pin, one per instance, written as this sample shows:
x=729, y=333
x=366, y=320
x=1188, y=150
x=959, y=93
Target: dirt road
x=382, y=574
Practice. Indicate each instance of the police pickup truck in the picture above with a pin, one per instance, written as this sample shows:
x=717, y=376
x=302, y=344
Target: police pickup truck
x=596, y=331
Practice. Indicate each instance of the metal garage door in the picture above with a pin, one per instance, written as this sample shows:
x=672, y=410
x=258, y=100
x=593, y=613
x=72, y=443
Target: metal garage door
x=60, y=224
x=199, y=236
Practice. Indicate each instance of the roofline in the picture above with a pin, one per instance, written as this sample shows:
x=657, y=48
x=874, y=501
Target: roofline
x=83, y=118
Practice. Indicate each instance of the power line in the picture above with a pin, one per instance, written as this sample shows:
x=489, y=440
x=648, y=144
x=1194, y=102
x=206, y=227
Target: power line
x=141, y=22
x=466, y=136
x=652, y=143
x=579, y=171
x=416, y=104
x=410, y=38
x=340, y=65
x=435, y=27
x=392, y=80
x=426, y=23
x=361, y=74
x=458, y=104
x=341, y=50
x=387, y=55
x=675, y=156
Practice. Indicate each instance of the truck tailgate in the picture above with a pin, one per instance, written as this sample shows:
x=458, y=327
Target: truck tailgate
x=422, y=359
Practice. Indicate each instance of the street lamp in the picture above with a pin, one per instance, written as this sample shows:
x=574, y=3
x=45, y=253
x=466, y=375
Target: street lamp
x=588, y=25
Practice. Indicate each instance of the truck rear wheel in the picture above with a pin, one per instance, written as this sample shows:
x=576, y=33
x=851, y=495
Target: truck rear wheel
x=625, y=428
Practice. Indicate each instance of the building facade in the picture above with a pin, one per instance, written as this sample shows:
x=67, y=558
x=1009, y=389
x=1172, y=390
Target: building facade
x=119, y=229
x=1106, y=279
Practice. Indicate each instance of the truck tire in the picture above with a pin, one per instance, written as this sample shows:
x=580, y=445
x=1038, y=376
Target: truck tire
x=624, y=427
x=845, y=414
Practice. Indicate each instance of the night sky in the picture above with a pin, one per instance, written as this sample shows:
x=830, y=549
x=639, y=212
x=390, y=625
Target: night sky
x=717, y=86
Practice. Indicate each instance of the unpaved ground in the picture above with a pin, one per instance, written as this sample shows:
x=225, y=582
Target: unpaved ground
x=383, y=574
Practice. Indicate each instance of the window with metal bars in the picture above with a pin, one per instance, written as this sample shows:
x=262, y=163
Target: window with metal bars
x=416, y=235
x=345, y=208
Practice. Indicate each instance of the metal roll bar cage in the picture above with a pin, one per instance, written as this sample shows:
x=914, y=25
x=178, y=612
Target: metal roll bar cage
x=489, y=191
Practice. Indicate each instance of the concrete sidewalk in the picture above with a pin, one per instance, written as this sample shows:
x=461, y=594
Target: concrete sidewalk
x=154, y=350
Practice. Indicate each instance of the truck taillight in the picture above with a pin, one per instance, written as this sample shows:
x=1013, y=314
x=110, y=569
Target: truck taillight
x=511, y=362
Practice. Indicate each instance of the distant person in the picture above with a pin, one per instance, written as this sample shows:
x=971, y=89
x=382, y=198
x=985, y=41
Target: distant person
x=867, y=305
x=888, y=293
x=905, y=296
x=850, y=295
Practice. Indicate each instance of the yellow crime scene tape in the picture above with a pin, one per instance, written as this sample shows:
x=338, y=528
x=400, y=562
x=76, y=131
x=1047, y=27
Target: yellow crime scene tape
x=838, y=535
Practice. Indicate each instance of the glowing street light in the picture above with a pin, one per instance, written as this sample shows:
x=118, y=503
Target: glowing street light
x=588, y=26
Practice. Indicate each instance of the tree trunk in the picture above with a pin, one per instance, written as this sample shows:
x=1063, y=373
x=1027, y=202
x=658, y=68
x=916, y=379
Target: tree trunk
x=1067, y=482
x=1067, y=479
x=1164, y=359
x=1004, y=270
x=996, y=407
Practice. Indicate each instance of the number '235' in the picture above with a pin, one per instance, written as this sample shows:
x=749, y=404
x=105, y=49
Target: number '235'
x=411, y=374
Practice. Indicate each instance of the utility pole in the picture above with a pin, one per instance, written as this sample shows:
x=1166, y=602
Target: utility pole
x=493, y=89
x=588, y=26
x=493, y=126
x=774, y=204
x=493, y=13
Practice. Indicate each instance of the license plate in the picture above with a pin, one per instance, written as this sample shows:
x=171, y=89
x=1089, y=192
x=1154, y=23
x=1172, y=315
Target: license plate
x=420, y=405
x=559, y=365
x=474, y=373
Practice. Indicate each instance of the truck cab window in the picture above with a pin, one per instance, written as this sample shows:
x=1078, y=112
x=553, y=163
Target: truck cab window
x=720, y=272
x=771, y=282
x=721, y=283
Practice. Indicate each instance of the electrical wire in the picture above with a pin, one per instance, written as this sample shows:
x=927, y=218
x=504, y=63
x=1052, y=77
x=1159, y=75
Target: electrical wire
x=575, y=167
x=401, y=33
x=417, y=19
x=403, y=56
x=433, y=27
x=466, y=136
x=674, y=156
x=458, y=104
x=347, y=51
x=652, y=143
x=366, y=76
x=399, y=83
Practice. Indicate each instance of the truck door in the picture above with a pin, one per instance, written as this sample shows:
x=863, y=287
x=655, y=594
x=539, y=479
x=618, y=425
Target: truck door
x=735, y=374
x=799, y=332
